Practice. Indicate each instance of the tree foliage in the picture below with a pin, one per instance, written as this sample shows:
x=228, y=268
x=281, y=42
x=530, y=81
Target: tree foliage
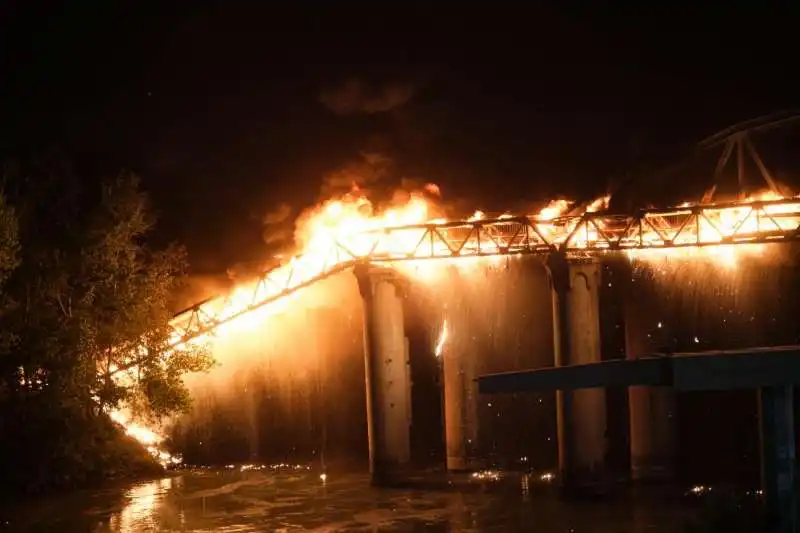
x=86, y=303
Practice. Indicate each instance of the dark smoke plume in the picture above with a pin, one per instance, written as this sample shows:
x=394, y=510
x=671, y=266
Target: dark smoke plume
x=368, y=171
x=277, y=225
x=357, y=96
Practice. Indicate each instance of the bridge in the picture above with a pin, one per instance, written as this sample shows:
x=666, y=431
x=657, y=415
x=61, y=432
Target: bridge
x=749, y=222
x=572, y=244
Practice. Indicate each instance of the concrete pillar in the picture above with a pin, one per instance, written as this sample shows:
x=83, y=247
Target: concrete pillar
x=776, y=417
x=652, y=409
x=582, y=442
x=460, y=369
x=388, y=378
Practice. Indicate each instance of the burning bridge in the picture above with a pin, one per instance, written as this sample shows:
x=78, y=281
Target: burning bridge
x=571, y=242
x=579, y=237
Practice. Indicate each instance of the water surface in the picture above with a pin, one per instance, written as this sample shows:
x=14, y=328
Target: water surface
x=244, y=501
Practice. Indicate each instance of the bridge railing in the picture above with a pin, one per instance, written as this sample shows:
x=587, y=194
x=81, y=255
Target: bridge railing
x=757, y=222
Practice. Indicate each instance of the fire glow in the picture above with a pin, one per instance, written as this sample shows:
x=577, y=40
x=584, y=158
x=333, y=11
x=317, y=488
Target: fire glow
x=442, y=339
x=146, y=436
x=341, y=231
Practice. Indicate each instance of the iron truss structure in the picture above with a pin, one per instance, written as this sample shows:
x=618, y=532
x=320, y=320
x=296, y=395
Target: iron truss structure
x=692, y=226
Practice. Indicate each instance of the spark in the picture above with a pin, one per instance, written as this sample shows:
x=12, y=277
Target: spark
x=442, y=339
x=700, y=489
x=490, y=475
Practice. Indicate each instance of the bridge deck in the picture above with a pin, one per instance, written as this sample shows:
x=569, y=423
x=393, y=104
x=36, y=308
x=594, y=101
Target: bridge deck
x=712, y=370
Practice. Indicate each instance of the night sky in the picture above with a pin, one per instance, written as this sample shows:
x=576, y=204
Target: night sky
x=229, y=111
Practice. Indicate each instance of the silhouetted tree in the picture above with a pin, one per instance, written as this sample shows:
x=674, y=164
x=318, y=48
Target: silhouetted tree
x=85, y=318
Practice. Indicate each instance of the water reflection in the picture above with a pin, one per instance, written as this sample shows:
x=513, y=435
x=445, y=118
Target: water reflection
x=267, y=499
x=144, y=503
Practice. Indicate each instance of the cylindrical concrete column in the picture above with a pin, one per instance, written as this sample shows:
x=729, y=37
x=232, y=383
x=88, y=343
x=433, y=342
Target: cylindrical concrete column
x=652, y=409
x=459, y=369
x=582, y=441
x=388, y=378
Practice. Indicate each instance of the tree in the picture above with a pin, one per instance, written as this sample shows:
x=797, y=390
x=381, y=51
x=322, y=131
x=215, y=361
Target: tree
x=92, y=299
x=122, y=293
x=86, y=314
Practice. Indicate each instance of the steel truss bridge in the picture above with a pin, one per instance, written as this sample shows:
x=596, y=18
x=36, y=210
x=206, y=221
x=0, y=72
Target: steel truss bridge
x=591, y=233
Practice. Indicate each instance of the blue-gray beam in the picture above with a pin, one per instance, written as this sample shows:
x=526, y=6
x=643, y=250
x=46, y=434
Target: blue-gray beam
x=719, y=370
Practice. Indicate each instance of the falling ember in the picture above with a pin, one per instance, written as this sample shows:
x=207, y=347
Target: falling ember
x=442, y=339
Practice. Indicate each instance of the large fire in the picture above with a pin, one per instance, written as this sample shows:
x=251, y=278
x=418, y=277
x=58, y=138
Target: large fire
x=344, y=229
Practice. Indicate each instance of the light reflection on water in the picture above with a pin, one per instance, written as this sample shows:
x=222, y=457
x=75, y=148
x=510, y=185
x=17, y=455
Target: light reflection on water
x=228, y=501
x=143, y=503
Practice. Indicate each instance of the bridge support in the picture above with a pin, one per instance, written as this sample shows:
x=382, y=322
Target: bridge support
x=652, y=409
x=776, y=418
x=388, y=378
x=460, y=370
x=582, y=442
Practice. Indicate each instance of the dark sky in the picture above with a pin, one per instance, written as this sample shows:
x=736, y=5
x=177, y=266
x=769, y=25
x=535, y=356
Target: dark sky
x=229, y=111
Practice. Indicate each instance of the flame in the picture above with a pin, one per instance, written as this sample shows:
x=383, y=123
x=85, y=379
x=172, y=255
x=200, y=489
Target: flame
x=478, y=215
x=554, y=209
x=337, y=232
x=598, y=204
x=442, y=339
x=343, y=229
x=744, y=220
x=147, y=436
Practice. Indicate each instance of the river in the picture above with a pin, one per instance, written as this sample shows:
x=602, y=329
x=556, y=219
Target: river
x=298, y=499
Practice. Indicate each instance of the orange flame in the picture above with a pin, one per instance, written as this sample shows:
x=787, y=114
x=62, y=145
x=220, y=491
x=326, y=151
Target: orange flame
x=442, y=339
x=342, y=229
x=718, y=225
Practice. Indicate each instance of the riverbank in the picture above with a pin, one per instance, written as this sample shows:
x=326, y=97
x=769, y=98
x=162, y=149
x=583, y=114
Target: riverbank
x=52, y=456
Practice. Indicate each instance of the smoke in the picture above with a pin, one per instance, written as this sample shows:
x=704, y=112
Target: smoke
x=276, y=226
x=357, y=96
x=245, y=272
x=368, y=171
x=375, y=176
x=196, y=288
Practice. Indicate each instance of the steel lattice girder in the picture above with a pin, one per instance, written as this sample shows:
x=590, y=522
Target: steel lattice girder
x=682, y=227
